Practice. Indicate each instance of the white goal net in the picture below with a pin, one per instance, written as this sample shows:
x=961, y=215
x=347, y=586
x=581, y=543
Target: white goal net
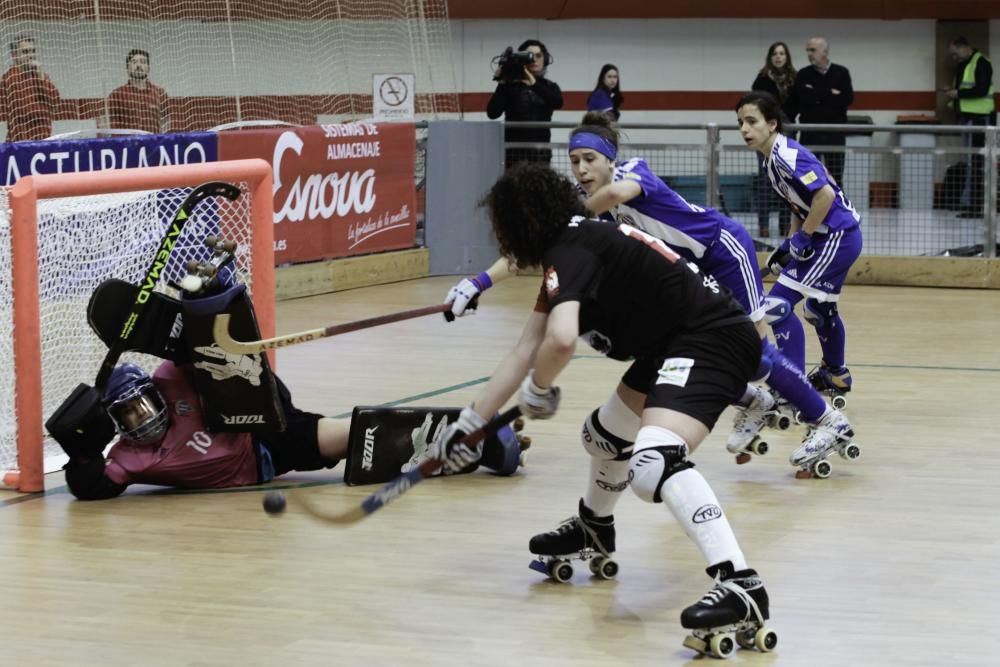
x=83, y=241
x=221, y=61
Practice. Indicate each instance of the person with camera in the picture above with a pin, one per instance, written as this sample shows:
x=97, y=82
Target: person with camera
x=524, y=94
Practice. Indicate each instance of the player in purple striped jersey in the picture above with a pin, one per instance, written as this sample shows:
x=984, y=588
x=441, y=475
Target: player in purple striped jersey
x=718, y=245
x=825, y=241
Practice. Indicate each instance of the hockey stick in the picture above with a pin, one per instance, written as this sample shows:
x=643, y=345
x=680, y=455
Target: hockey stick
x=220, y=329
x=167, y=244
x=403, y=483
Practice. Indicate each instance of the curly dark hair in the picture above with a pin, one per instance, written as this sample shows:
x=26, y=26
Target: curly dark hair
x=527, y=206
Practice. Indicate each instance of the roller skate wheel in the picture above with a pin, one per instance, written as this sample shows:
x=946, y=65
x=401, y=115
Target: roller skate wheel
x=722, y=645
x=840, y=402
x=192, y=266
x=561, y=571
x=518, y=424
x=742, y=458
x=765, y=640
x=797, y=416
x=822, y=469
x=605, y=568
x=695, y=644
x=211, y=241
x=524, y=441
x=784, y=422
x=851, y=452
x=229, y=246
x=760, y=448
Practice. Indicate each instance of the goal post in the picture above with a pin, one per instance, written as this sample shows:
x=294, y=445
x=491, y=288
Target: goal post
x=68, y=232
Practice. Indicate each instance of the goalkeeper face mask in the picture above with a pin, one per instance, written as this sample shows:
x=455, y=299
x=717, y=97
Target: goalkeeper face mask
x=136, y=406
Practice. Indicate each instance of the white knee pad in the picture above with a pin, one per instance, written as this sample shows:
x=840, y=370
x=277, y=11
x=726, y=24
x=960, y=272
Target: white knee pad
x=658, y=454
x=609, y=432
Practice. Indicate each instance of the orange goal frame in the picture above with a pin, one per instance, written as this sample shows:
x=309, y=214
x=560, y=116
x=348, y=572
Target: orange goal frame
x=23, y=199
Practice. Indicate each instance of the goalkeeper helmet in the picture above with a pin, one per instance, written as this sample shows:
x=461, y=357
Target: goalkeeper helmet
x=135, y=405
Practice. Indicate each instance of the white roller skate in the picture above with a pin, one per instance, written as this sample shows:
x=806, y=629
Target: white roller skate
x=732, y=613
x=584, y=537
x=831, y=433
x=745, y=439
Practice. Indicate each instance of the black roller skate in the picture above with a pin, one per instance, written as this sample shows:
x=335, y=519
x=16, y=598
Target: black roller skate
x=832, y=382
x=732, y=613
x=584, y=537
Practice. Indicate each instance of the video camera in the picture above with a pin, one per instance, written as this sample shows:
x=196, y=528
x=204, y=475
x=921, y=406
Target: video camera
x=509, y=65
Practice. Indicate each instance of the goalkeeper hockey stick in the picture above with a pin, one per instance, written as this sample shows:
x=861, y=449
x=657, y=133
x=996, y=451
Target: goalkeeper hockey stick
x=403, y=483
x=166, y=247
x=220, y=330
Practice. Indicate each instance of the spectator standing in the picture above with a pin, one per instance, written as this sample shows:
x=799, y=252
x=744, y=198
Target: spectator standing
x=823, y=91
x=139, y=104
x=972, y=96
x=524, y=94
x=607, y=96
x=777, y=77
x=28, y=98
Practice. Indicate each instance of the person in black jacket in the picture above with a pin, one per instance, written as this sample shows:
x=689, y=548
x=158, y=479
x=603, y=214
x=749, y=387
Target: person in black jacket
x=776, y=77
x=822, y=93
x=524, y=94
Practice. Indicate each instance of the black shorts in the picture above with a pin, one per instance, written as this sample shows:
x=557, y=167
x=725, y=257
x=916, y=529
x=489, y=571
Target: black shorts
x=699, y=373
x=297, y=447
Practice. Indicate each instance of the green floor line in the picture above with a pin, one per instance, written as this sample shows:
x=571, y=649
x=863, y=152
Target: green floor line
x=420, y=397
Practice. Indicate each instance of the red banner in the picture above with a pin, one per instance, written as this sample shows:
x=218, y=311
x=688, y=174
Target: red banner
x=339, y=190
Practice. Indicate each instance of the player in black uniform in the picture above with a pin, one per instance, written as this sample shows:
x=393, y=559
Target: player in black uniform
x=692, y=350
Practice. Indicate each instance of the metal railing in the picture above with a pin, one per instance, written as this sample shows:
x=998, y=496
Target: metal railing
x=919, y=190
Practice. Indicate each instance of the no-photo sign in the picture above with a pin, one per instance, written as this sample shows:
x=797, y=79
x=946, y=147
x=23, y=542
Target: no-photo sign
x=392, y=96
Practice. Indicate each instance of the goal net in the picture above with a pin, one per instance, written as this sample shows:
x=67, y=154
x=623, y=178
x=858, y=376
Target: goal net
x=223, y=61
x=83, y=240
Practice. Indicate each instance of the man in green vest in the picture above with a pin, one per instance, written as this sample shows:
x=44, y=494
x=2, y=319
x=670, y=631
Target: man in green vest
x=972, y=97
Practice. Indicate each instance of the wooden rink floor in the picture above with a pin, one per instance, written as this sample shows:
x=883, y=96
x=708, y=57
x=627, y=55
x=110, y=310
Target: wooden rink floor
x=890, y=561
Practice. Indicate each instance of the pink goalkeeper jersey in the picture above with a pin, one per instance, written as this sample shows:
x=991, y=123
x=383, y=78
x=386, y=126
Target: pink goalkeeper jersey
x=189, y=456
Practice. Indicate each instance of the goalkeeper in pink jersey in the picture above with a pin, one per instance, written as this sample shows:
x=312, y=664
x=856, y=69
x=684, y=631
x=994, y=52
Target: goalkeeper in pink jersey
x=177, y=427
x=164, y=440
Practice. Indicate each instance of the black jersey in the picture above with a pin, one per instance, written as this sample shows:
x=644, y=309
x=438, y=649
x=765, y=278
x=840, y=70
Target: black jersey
x=635, y=293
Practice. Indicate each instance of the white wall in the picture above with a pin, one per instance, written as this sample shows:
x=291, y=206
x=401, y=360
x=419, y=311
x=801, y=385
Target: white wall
x=706, y=54
x=295, y=57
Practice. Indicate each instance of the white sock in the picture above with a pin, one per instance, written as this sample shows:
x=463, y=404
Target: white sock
x=605, y=484
x=608, y=479
x=694, y=505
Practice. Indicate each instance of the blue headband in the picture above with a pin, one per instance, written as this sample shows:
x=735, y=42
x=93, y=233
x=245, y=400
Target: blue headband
x=594, y=141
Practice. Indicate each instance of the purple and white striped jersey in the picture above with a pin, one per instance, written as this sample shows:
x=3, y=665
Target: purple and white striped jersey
x=797, y=175
x=687, y=228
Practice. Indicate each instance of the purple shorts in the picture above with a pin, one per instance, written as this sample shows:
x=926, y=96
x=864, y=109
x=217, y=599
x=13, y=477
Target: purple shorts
x=732, y=260
x=822, y=276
